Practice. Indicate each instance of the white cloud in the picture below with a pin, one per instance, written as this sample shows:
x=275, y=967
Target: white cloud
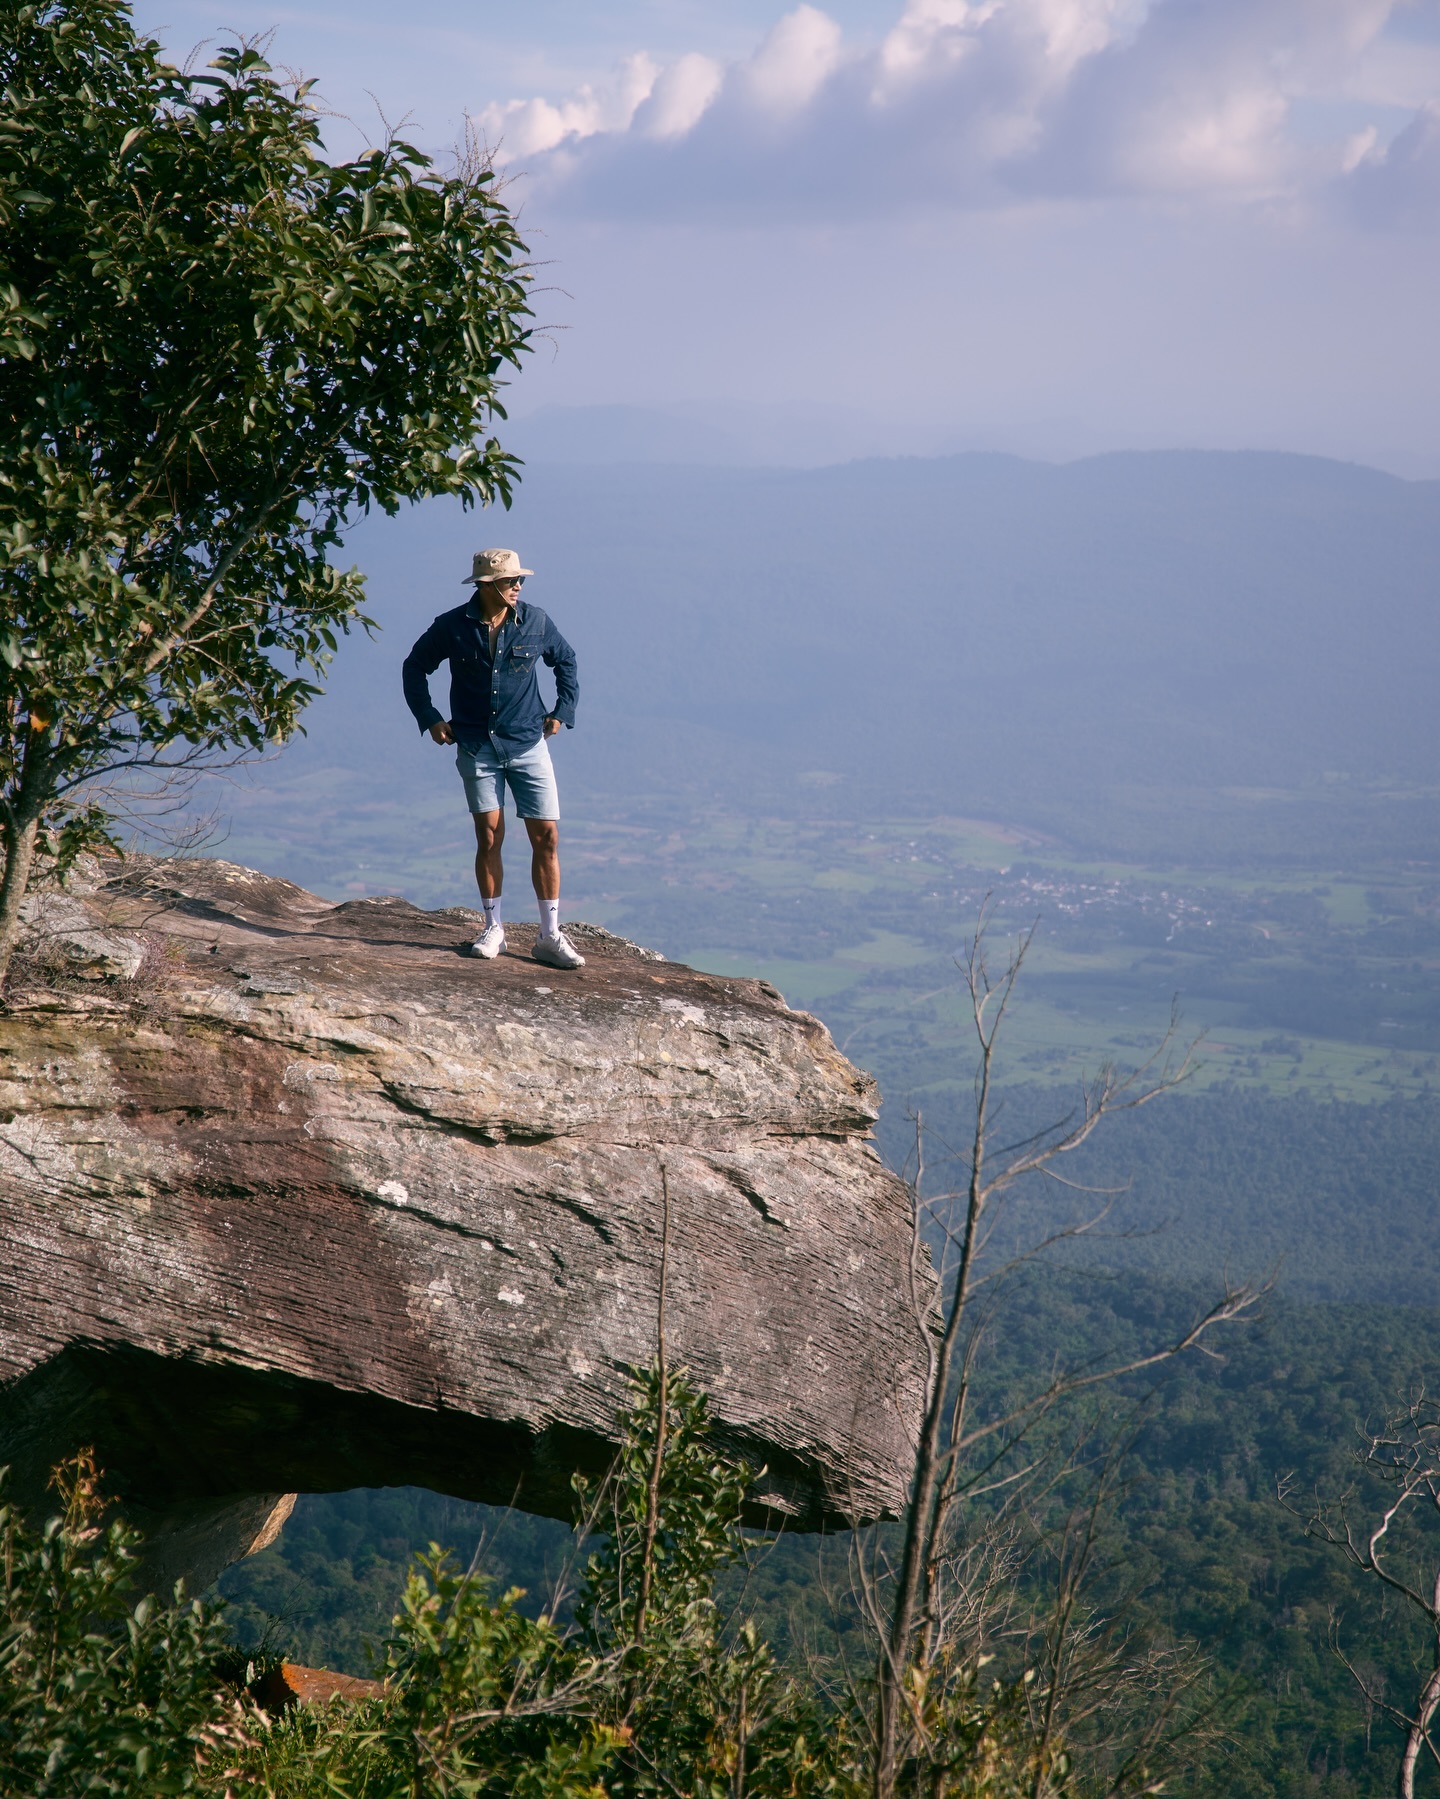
x=680, y=96
x=793, y=64
x=985, y=102
x=521, y=128
x=1199, y=100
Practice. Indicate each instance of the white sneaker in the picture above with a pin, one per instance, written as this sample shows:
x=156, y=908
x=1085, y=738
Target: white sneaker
x=557, y=952
x=489, y=943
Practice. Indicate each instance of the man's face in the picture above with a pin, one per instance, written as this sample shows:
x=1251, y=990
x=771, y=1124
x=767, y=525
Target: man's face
x=495, y=594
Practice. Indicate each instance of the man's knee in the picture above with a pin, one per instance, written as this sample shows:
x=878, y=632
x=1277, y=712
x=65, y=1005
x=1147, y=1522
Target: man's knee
x=544, y=834
x=489, y=828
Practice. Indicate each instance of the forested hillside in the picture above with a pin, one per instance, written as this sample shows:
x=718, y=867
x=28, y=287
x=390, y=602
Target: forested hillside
x=1333, y=1201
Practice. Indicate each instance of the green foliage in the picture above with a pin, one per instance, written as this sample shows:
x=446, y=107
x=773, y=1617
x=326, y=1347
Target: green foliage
x=1198, y=1547
x=705, y=1708
x=101, y=1694
x=981, y=1735
x=215, y=347
x=480, y=1701
x=488, y=1701
x=700, y=1496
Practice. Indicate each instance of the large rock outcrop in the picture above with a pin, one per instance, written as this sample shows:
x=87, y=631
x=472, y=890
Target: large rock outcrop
x=295, y=1196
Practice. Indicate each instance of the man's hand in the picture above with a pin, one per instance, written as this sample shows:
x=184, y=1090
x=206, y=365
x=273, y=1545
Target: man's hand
x=442, y=733
x=552, y=725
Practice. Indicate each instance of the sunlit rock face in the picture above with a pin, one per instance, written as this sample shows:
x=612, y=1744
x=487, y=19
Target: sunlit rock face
x=298, y=1197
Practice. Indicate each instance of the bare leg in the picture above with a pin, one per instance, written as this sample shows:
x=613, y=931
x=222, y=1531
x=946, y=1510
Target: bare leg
x=489, y=836
x=544, y=857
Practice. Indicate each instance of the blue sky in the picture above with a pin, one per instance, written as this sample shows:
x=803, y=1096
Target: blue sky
x=1055, y=226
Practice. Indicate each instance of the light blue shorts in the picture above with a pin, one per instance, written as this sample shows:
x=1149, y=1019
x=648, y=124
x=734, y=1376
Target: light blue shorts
x=530, y=775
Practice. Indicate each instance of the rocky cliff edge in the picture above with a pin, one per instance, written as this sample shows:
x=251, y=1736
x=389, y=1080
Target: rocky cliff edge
x=294, y=1196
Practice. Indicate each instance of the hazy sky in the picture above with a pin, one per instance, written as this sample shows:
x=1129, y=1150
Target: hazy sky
x=1049, y=225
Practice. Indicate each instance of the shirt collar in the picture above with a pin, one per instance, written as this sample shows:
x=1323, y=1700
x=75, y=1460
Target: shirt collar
x=511, y=613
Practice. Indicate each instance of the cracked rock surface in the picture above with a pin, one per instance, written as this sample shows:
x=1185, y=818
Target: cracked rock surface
x=304, y=1199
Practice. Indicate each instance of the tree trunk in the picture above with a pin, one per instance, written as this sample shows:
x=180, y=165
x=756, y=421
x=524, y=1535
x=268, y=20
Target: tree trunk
x=1419, y=1732
x=925, y=1516
x=19, y=844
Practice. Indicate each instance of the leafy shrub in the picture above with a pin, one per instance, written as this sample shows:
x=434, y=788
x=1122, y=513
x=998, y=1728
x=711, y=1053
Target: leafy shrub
x=650, y=1691
x=101, y=1694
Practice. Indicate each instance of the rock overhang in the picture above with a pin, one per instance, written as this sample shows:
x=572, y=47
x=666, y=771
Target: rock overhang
x=308, y=1199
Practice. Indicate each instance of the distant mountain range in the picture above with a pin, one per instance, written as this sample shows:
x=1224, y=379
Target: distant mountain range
x=732, y=433
x=1188, y=654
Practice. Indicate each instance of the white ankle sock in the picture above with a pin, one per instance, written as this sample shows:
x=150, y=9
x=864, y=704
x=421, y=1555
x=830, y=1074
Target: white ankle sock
x=492, y=911
x=549, y=918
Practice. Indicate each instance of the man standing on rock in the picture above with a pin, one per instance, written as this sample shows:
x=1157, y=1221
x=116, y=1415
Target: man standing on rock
x=495, y=644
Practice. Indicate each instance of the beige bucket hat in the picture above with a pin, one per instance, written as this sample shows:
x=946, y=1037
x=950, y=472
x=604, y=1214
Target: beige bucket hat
x=495, y=565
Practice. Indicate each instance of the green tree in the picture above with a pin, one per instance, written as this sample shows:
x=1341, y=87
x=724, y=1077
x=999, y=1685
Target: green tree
x=697, y=1700
x=216, y=347
x=100, y=1694
x=486, y=1700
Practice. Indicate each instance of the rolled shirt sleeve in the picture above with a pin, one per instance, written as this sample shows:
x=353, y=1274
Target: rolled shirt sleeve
x=429, y=651
x=560, y=658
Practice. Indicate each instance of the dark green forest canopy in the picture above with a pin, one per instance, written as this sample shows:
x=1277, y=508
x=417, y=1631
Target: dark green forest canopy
x=1337, y=1201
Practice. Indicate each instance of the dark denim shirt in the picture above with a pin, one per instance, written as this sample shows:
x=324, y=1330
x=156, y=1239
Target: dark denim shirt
x=499, y=699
